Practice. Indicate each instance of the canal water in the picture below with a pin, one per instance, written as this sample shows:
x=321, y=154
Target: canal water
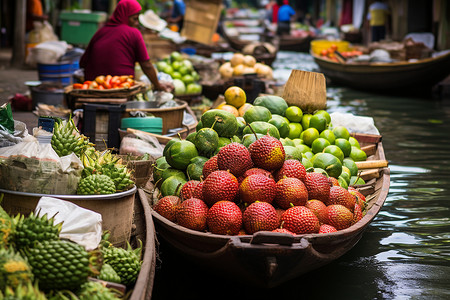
x=405, y=251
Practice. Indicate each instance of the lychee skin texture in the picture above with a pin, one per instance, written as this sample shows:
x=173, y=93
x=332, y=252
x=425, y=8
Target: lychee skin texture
x=300, y=220
x=219, y=185
x=318, y=186
x=166, y=207
x=267, y=153
x=224, y=217
x=339, y=216
x=253, y=171
x=259, y=216
x=257, y=187
x=198, y=191
x=339, y=195
x=210, y=166
x=291, y=168
x=290, y=192
x=318, y=208
x=188, y=189
x=192, y=214
x=234, y=157
x=325, y=228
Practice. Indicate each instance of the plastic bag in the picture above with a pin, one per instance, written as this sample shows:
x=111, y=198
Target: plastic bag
x=10, y=139
x=80, y=225
x=33, y=167
x=42, y=32
x=141, y=145
x=47, y=53
x=354, y=123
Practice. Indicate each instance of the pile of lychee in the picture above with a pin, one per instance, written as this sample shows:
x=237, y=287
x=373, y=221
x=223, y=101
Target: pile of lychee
x=246, y=190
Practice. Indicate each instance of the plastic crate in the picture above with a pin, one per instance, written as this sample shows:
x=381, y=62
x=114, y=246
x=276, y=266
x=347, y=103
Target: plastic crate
x=78, y=27
x=101, y=124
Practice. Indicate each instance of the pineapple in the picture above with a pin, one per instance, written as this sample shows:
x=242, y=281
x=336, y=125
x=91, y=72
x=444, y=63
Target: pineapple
x=6, y=226
x=14, y=269
x=96, y=185
x=126, y=263
x=95, y=291
x=34, y=228
x=67, y=139
x=107, y=273
x=59, y=264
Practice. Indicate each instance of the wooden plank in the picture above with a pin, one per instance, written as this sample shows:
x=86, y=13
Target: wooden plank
x=371, y=164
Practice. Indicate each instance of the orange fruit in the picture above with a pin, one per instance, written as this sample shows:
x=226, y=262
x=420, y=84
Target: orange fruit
x=230, y=109
x=244, y=108
x=235, y=96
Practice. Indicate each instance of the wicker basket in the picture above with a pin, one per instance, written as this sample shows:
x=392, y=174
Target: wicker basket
x=172, y=116
x=142, y=170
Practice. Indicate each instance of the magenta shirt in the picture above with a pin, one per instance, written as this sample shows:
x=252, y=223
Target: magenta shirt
x=116, y=47
x=114, y=50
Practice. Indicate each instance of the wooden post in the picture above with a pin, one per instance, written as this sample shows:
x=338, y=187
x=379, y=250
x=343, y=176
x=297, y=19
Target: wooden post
x=18, y=57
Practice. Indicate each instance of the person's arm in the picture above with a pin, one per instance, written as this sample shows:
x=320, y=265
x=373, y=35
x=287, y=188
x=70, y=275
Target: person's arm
x=150, y=72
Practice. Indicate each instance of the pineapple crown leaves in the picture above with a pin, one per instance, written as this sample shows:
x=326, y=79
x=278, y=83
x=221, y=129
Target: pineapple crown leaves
x=95, y=262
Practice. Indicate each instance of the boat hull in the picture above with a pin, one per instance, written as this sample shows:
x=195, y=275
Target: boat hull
x=401, y=76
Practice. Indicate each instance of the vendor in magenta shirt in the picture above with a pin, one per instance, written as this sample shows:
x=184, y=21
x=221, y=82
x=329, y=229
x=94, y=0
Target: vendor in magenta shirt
x=118, y=45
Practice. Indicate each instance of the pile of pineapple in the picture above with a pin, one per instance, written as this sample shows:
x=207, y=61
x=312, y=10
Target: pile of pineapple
x=104, y=172
x=36, y=264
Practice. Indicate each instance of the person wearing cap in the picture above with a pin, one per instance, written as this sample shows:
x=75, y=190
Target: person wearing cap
x=285, y=13
x=118, y=45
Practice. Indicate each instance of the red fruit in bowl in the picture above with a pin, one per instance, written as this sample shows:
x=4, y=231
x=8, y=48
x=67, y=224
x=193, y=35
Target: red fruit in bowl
x=257, y=187
x=219, y=185
x=259, y=216
x=290, y=192
x=224, y=217
x=300, y=220
x=167, y=206
x=318, y=186
x=234, y=157
x=192, y=214
x=267, y=153
x=291, y=168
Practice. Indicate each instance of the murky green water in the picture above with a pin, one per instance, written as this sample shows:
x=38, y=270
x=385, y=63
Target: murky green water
x=405, y=252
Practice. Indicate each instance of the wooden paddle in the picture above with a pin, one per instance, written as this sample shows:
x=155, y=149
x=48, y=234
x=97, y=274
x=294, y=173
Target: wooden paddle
x=306, y=90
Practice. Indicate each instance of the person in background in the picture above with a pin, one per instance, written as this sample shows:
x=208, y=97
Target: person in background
x=35, y=12
x=378, y=20
x=177, y=16
x=285, y=13
x=118, y=45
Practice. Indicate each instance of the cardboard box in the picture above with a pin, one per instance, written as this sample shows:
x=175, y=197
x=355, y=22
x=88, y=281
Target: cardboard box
x=201, y=19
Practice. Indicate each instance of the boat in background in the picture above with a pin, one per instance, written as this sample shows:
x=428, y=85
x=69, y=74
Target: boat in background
x=268, y=259
x=401, y=76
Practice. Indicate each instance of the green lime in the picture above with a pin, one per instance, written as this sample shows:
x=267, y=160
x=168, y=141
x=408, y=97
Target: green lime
x=306, y=163
x=325, y=114
x=319, y=122
x=180, y=153
x=357, y=154
x=287, y=142
x=346, y=170
x=169, y=143
x=309, y=155
x=172, y=186
x=297, y=141
x=354, y=142
x=292, y=153
x=346, y=176
x=330, y=163
x=295, y=129
x=309, y=135
x=341, y=132
x=343, y=182
x=336, y=151
x=345, y=146
x=281, y=124
x=355, y=180
x=257, y=113
x=303, y=148
x=294, y=114
x=319, y=144
x=305, y=120
x=329, y=135
x=351, y=165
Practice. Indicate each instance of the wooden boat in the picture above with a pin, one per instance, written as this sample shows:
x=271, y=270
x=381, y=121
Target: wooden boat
x=397, y=76
x=268, y=259
x=145, y=231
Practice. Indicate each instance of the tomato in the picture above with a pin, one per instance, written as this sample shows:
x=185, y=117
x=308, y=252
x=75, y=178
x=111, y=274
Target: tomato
x=100, y=87
x=324, y=52
x=333, y=47
x=100, y=79
x=77, y=86
x=85, y=86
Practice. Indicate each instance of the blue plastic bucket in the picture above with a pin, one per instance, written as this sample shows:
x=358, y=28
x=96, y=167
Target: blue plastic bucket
x=58, y=72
